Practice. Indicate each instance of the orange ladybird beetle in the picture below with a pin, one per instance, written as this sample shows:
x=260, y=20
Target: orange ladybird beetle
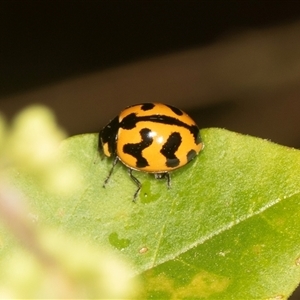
x=150, y=137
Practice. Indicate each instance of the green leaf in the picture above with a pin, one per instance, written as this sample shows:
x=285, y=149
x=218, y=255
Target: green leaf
x=227, y=229
x=33, y=258
x=256, y=259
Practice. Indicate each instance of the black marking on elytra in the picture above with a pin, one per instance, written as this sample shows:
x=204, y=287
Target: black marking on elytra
x=191, y=154
x=195, y=132
x=109, y=134
x=135, y=150
x=169, y=148
x=129, y=122
x=176, y=110
x=132, y=119
x=147, y=106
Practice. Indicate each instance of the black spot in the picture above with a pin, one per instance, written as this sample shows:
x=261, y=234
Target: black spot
x=109, y=134
x=175, y=110
x=193, y=129
x=147, y=106
x=170, y=147
x=135, y=150
x=195, y=132
x=129, y=121
x=191, y=154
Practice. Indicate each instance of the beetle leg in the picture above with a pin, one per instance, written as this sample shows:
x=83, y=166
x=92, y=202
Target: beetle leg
x=168, y=180
x=137, y=182
x=163, y=175
x=111, y=170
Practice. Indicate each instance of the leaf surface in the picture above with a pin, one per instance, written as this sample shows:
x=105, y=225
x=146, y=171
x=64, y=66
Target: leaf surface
x=229, y=225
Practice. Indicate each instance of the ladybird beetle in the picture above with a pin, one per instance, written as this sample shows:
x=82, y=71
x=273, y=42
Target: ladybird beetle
x=150, y=137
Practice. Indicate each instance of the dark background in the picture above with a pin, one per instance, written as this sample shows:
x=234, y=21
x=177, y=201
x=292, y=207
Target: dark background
x=46, y=42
